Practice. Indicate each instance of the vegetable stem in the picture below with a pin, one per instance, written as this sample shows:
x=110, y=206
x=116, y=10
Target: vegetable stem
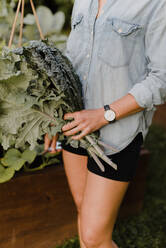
x=96, y=160
x=100, y=152
x=106, y=146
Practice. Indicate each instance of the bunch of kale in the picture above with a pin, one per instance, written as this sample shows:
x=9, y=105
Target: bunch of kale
x=38, y=86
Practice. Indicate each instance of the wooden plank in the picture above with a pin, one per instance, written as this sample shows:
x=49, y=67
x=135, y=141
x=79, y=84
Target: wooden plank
x=36, y=210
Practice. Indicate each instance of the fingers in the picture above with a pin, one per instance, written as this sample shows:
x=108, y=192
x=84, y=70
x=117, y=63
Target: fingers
x=80, y=123
x=75, y=126
x=69, y=126
x=50, y=144
x=68, y=116
x=73, y=131
x=53, y=145
x=82, y=134
x=47, y=142
x=72, y=124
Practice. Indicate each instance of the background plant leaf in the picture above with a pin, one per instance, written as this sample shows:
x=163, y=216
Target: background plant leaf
x=6, y=174
x=13, y=159
x=29, y=156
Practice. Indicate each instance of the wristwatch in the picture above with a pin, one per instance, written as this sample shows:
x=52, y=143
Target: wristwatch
x=109, y=114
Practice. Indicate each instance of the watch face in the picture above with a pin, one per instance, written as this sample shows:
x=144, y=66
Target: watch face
x=109, y=115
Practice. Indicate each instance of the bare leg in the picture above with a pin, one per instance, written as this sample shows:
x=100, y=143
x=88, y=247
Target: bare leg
x=76, y=171
x=114, y=245
x=82, y=245
x=101, y=202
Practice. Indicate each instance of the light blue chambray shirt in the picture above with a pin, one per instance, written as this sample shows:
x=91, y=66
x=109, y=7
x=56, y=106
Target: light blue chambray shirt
x=122, y=51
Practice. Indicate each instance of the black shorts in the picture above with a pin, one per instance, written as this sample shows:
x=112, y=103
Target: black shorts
x=126, y=160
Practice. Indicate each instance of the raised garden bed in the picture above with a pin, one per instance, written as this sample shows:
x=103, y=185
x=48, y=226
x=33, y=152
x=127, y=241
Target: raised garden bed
x=37, y=209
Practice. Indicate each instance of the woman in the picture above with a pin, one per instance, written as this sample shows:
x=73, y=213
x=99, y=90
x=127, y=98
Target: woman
x=117, y=49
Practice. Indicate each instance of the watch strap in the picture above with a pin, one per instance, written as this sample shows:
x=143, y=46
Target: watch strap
x=106, y=107
x=113, y=121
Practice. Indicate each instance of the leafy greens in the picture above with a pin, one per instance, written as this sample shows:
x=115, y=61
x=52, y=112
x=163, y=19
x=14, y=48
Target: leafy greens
x=38, y=85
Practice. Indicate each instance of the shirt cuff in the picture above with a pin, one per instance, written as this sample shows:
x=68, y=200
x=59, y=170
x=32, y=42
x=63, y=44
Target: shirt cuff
x=142, y=96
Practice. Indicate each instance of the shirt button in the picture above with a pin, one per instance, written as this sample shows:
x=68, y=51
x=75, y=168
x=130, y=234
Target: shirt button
x=87, y=55
x=91, y=32
x=85, y=77
x=119, y=30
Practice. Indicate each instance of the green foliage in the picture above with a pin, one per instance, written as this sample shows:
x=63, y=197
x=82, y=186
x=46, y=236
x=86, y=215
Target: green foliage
x=14, y=79
x=14, y=161
x=29, y=156
x=34, y=95
x=56, y=5
x=43, y=160
x=52, y=24
x=28, y=160
x=35, y=91
x=29, y=103
x=38, y=85
x=6, y=173
x=7, y=15
x=13, y=158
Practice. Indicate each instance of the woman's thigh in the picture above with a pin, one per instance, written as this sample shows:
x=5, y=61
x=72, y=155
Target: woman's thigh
x=76, y=172
x=101, y=202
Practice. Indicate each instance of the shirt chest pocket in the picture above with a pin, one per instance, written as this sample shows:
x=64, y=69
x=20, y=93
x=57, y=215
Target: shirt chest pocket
x=117, y=43
x=74, y=41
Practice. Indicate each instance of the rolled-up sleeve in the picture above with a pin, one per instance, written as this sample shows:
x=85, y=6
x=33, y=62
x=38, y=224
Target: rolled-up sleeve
x=152, y=90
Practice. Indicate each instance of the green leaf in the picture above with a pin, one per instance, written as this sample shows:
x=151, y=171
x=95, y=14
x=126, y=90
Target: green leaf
x=60, y=113
x=51, y=23
x=58, y=21
x=56, y=129
x=29, y=19
x=7, y=140
x=13, y=158
x=53, y=161
x=51, y=155
x=29, y=156
x=3, y=8
x=47, y=21
x=39, y=148
x=6, y=174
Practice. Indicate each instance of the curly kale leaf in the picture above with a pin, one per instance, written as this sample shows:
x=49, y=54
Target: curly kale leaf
x=36, y=90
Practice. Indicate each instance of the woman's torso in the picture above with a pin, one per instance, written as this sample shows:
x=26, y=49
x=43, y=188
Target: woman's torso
x=108, y=54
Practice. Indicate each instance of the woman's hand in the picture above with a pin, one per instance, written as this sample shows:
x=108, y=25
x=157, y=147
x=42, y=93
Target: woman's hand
x=85, y=121
x=51, y=144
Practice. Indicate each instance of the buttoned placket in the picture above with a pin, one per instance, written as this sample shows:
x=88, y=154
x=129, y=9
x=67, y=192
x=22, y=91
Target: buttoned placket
x=91, y=25
x=88, y=57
